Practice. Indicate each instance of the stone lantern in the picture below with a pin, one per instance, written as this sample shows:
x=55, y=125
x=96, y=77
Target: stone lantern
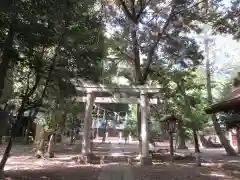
x=170, y=123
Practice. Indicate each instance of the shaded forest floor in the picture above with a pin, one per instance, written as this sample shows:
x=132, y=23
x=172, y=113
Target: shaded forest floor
x=121, y=172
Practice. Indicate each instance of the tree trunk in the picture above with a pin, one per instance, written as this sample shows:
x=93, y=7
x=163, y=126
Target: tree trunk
x=5, y=58
x=40, y=149
x=196, y=147
x=224, y=141
x=181, y=136
x=229, y=150
x=196, y=142
x=5, y=158
x=50, y=146
x=7, y=151
x=6, y=154
x=28, y=130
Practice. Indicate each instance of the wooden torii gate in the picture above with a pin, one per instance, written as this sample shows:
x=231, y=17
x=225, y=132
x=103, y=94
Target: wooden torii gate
x=90, y=98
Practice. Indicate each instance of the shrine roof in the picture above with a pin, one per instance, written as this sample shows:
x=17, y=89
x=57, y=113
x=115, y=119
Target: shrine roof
x=231, y=102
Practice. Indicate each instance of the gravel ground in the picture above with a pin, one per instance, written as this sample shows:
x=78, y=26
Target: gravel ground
x=23, y=166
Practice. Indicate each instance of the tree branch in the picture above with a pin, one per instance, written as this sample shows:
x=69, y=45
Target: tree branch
x=132, y=6
x=155, y=44
x=160, y=34
x=127, y=12
x=143, y=6
x=128, y=57
x=136, y=52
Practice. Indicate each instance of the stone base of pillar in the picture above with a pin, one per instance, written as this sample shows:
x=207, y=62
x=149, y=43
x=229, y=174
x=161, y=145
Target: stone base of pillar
x=90, y=158
x=146, y=160
x=198, y=159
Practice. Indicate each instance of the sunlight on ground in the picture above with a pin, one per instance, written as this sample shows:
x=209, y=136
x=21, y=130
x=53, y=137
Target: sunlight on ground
x=210, y=164
x=220, y=175
x=234, y=161
x=217, y=174
x=117, y=154
x=29, y=162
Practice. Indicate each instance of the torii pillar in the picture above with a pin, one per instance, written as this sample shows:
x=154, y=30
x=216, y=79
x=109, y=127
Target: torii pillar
x=145, y=158
x=86, y=150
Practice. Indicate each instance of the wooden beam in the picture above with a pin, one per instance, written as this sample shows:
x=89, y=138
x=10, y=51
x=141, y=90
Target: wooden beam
x=118, y=88
x=113, y=100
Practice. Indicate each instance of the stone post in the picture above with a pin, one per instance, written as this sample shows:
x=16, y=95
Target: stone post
x=97, y=136
x=87, y=120
x=171, y=148
x=130, y=138
x=120, y=137
x=146, y=159
x=238, y=139
x=230, y=138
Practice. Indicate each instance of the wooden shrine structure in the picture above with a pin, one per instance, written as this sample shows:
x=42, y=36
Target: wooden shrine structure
x=142, y=91
x=230, y=104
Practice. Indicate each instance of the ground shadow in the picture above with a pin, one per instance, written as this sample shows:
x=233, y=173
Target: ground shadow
x=156, y=172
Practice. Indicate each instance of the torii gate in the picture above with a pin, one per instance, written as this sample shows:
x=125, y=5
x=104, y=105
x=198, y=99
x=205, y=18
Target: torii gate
x=144, y=90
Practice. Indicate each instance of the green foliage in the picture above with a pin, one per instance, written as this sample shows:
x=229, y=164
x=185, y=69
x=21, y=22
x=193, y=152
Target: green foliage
x=131, y=127
x=183, y=93
x=131, y=122
x=53, y=43
x=226, y=20
x=141, y=31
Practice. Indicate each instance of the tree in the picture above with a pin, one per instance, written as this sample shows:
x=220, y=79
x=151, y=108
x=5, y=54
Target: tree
x=146, y=29
x=54, y=44
x=226, y=21
x=218, y=19
x=223, y=139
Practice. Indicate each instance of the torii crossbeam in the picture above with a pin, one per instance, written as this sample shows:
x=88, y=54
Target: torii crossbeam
x=115, y=100
x=118, y=88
